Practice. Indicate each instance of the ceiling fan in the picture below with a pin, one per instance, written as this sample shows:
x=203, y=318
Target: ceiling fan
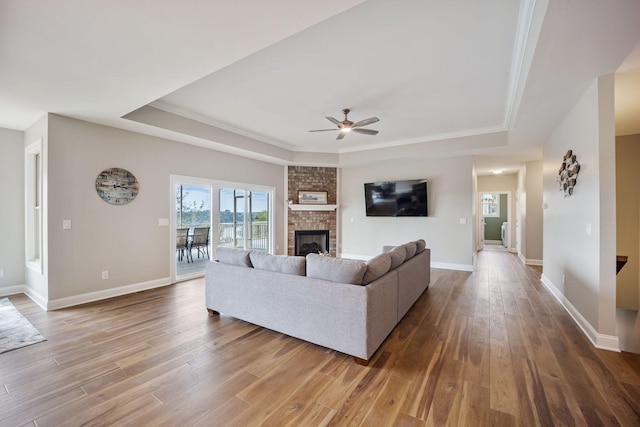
x=347, y=125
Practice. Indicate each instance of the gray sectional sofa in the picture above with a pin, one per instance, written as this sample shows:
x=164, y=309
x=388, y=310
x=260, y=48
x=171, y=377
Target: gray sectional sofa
x=346, y=305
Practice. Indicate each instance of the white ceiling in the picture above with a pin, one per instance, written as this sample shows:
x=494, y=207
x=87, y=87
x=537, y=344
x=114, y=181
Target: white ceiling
x=489, y=78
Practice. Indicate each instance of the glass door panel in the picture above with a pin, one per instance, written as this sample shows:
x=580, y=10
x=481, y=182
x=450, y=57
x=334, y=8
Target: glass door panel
x=259, y=220
x=244, y=219
x=193, y=229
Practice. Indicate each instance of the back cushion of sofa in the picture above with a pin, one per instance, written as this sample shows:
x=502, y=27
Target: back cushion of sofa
x=398, y=254
x=233, y=256
x=420, y=245
x=410, y=248
x=278, y=263
x=335, y=269
x=377, y=267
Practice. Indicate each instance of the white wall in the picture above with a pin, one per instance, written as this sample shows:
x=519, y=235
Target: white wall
x=126, y=240
x=36, y=282
x=12, y=251
x=579, y=231
x=503, y=183
x=450, y=199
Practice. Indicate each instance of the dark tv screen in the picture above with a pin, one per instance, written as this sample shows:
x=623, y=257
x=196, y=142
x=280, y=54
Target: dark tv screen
x=396, y=198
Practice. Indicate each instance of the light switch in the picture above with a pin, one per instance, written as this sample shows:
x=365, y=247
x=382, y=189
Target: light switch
x=163, y=222
x=588, y=229
x=66, y=224
x=463, y=221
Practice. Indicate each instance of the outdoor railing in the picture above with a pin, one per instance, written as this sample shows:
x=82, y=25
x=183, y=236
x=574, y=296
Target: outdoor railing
x=258, y=236
x=229, y=235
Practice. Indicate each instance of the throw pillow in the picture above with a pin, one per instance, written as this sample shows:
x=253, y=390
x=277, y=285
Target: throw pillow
x=398, y=255
x=411, y=248
x=377, y=267
x=278, y=263
x=233, y=256
x=335, y=269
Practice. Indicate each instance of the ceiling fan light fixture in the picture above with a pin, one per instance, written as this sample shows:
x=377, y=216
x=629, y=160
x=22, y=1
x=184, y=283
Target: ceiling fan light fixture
x=345, y=126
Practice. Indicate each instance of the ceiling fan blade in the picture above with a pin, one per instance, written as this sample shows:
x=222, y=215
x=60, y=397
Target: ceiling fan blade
x=366, y=122
x=334, y=121
x=341, y=135
x=365, y=131
x=322, y=130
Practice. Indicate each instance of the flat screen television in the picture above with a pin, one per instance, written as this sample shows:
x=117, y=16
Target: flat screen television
x=396, y=198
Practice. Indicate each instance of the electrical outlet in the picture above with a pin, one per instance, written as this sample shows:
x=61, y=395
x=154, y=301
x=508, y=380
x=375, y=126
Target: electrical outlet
x=105, y=275
x=1, y=273
x=564, y=279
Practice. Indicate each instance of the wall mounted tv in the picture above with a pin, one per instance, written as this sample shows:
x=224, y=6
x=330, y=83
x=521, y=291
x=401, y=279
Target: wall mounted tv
x=396, y=198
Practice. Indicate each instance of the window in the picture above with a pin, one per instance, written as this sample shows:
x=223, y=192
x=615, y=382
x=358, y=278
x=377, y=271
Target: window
x=490, y=205
x=34, y=208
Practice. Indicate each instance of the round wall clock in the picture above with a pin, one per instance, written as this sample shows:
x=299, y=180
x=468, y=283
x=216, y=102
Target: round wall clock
x=117, y=186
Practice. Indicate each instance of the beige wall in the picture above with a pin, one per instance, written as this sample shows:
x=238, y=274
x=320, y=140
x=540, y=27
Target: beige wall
x=12, y=253
x=628, y=220
x=579, y=231
x=532, y=225
x=450, y=199
x=126, y=240
x=628, y=241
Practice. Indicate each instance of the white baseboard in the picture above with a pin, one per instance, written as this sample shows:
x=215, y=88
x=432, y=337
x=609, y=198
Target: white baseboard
x=356, y=256
x=40, y=300
x=449, y=266
x=443, y=265
x=11, y=290
x=106, y=293
x=601, y=341
x=529, y=261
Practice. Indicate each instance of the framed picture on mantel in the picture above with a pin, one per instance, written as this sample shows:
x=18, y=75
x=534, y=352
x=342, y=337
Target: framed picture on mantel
x=312, y=197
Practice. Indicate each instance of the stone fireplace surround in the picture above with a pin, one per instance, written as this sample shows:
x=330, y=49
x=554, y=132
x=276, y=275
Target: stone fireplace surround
x=308, y=178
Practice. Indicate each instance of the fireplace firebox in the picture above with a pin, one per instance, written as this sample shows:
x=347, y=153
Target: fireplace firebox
x=311, y=241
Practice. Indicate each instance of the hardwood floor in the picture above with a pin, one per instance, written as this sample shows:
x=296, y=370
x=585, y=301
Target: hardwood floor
x=485, y=348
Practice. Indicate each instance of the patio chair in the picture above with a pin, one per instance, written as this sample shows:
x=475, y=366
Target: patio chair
x=200, y=241
x=182, y=244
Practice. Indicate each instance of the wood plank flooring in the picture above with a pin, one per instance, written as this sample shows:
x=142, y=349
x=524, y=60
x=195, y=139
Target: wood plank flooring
x=490, y=347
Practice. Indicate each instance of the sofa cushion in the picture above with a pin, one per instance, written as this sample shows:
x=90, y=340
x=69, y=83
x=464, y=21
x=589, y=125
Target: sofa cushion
x=377, y=267
x=335, y=269
x=398, y=255
x=420, y=245
x=278, y=263
x=233, y=256
x=410, y=248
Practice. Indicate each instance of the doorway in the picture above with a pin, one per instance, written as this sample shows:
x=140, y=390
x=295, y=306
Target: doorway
x=193, y=221
x=495, y=220
x=234, y=214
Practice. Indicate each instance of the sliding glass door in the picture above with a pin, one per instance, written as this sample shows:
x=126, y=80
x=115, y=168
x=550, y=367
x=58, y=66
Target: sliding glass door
x=232, y=214
x=245, y=219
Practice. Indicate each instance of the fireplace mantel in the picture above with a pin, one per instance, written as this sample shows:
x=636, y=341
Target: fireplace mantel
x=313, y=207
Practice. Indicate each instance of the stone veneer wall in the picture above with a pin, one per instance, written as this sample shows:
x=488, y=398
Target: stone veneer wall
x=305, y=178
